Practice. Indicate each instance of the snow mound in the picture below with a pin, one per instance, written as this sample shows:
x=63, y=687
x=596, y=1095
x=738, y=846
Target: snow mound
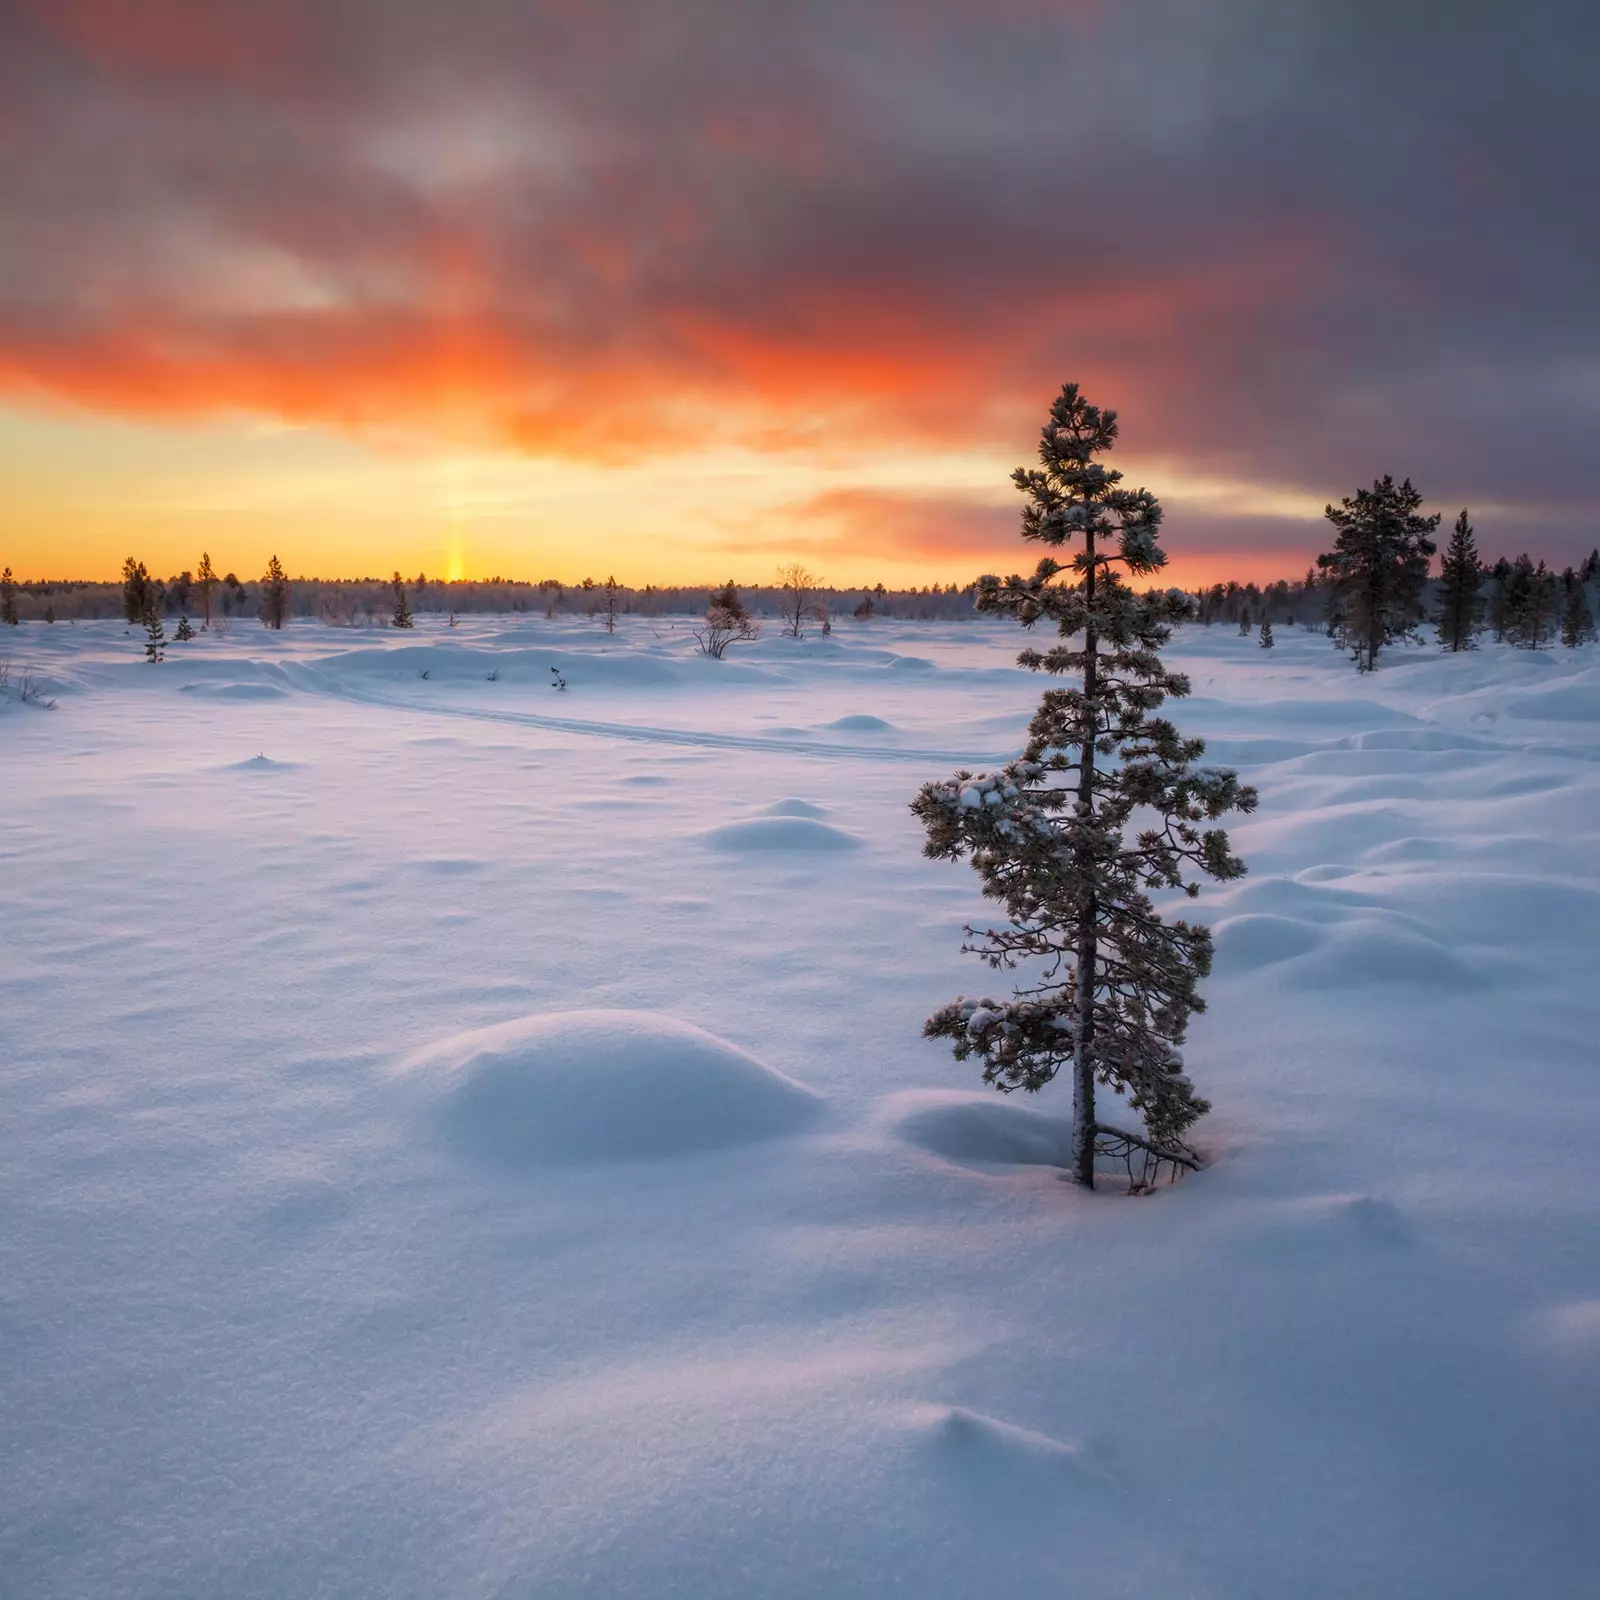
x=579, y=1086
x=859, y=722
x=1568, y=702
x=911, y=664
x=1259, y=939
x=794, y=808
x=1361, y=955
x=261, y=764
x=779, y=833
x=235, y=691
x=1002, y=1453
x=968, y=1126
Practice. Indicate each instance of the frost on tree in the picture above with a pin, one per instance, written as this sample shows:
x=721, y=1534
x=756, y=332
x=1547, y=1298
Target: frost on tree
x=1104, y=806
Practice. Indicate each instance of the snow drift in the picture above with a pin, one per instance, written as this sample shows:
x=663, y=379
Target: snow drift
x=574, y=1086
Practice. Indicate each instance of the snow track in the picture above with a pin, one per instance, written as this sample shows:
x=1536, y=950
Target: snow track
x=309, y=678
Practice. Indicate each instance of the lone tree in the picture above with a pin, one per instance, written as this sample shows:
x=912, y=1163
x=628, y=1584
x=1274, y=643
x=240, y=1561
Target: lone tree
x=611, y=592
x=402, y=606
x=1109, y=986
x=1459, y=618
x=1577, y=620
x=1377, y=569
x=136, y=587
x=185, y=633
x=155, y=641
x=8, y=599
x=1267, y=641
x=274, y=610
x=205, y=584
x=797, y=585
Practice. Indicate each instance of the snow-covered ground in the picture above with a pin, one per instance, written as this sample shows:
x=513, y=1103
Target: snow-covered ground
x=310, y=1287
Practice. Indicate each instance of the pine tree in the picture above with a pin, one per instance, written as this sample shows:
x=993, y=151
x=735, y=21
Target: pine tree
x=1577, y=620
x=155, y=644
x=8, y=599
x=1500, y=599
x=402, y=607
x=1045, y=833
x=726, y=599
x=206, y=582
x=274, y=610
x=1531, y=602
x=185, y=633
x=613, y=591
x=1267, y=640
x=1459, y=618
x=1244, y=622
x=135, y=591
x=1590, y=570
x=1377, y=569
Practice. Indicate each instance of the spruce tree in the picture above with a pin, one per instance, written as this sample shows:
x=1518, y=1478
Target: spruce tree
x=1459, y=618
x=1577, y=620
x=185, y=633
x=402, y=607
x=1378, y=568
x=1109, y=986
x=1267, y=640
x=1244, y=622
x=8, y=599
x=274, y=609
x=155, y=643
x=1590, y=570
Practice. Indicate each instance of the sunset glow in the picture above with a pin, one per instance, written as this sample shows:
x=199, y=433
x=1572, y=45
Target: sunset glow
x=349, y=284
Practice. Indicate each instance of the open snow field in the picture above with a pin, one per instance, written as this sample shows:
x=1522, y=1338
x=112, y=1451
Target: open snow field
x=310, y=1288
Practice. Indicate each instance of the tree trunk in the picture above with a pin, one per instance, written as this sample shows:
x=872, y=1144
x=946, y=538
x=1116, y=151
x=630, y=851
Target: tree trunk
x=1083, y=1127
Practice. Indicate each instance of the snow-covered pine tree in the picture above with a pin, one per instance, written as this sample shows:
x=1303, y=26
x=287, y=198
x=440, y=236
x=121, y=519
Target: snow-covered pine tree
x=8, y=599
x=1267, y=641
x=1577, y=620
x=1459, y=618
x=155, y=642
x=274, y=610
x=185, y=633
x=610, y=602
x=1110, y=987
x=402, y=606
x=1377, y=569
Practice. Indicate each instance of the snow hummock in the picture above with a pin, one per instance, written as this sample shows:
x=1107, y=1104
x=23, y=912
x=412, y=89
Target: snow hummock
x=602, y=1086
x=782, y=832
x=968, y=1126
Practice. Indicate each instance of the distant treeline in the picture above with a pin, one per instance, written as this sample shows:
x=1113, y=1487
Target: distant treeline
x=1510, y=588
x=370, y=602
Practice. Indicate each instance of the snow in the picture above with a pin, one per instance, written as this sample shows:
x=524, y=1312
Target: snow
x=459, y=1139
x=601, y=1086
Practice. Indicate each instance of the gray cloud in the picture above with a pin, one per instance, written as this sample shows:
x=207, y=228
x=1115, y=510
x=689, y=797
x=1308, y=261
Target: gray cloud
x=1294, y=243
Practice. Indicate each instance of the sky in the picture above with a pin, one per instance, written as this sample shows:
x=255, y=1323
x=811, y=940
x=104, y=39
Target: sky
x=682, y=291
